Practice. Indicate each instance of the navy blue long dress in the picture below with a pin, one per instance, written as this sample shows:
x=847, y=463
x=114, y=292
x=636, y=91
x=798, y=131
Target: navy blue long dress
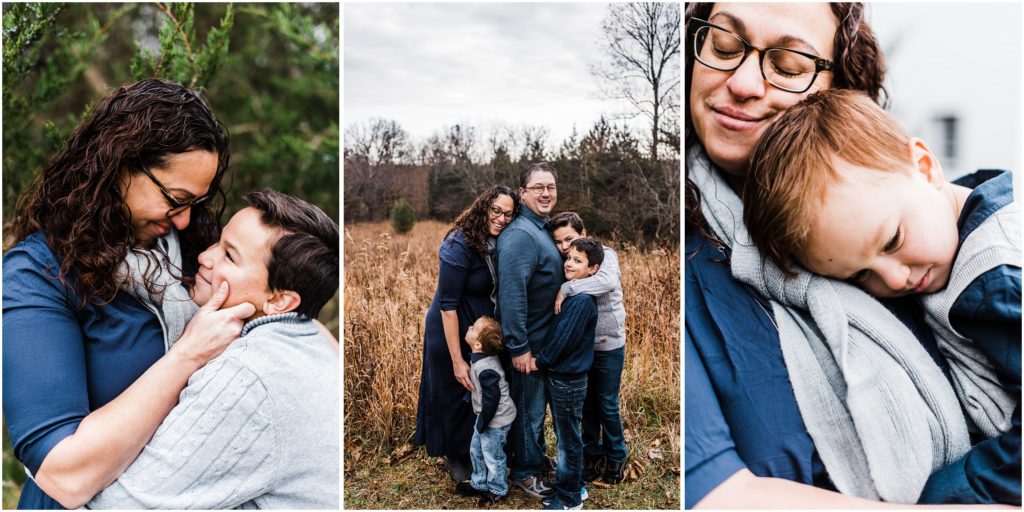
x=444, y=415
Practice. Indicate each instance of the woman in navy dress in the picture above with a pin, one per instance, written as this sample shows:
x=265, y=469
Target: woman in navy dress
x=465, y=285
x=86, y=380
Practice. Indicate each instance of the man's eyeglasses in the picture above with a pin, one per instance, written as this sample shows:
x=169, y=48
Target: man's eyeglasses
x=783, y=68
x=177, y=206
x=496, y=212
x=539, y=189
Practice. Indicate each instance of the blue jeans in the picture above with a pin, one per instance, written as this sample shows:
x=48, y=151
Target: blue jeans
x=601, y=408
x=567, y=413
x=487, y=450
x=527, y=391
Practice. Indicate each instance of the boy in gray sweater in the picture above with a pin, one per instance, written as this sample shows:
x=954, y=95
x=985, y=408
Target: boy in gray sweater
x=604, y=445
x=257, y=427
x=495, y=412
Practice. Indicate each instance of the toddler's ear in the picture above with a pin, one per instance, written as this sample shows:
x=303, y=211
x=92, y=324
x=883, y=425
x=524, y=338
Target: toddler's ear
x=282, y=302
x=926, y=163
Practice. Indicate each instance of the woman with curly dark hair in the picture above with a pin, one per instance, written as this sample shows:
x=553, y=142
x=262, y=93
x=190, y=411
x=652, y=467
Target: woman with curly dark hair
x=776, y=417
x=97, y=338
x=465, y=285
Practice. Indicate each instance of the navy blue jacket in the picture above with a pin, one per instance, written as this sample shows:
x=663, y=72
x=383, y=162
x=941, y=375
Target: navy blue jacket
x=569, y=351
x=989, y=313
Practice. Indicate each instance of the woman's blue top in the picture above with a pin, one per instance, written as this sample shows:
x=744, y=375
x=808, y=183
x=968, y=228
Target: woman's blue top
x=60, y=364
x=740, y=408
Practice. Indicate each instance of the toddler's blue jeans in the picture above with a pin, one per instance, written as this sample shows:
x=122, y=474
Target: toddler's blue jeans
x=487, y=451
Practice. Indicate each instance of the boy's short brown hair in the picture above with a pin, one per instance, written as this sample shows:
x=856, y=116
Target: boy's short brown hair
x=592, y=248
x=490, y=337
x=561, y=220
x=792, y=165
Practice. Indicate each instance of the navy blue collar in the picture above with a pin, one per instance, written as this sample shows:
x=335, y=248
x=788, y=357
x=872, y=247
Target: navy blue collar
x=477, y=356
x=993, y=189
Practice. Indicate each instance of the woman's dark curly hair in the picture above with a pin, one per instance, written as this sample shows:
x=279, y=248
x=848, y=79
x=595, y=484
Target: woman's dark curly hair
x=77, y=203
x=858, y=64
x=473, y=220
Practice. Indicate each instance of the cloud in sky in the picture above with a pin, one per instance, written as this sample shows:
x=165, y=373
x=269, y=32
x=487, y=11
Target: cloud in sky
x=429, y=66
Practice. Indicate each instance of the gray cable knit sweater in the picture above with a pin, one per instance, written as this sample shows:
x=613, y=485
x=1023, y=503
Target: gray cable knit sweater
x=606, y=287
x=257, y=427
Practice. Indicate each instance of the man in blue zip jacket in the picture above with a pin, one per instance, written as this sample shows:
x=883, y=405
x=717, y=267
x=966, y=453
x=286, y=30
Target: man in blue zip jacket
x=529, y=277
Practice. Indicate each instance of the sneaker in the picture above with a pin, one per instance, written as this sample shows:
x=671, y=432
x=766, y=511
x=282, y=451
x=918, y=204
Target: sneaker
x=613, y=473
x=535, y=486
x=466, y=489
x=584, y=496
x=488, y=499
x=592, y=467
x=556, y=504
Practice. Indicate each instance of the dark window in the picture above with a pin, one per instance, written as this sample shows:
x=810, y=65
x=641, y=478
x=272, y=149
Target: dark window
x=948, y=127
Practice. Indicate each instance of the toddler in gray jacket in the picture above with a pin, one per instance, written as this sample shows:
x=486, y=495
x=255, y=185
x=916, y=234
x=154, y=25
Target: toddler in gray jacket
x=495, y=412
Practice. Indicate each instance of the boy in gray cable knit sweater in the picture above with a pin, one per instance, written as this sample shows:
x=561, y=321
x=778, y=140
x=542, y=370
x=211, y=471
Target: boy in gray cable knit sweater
x=257, y=427
x=495, y=412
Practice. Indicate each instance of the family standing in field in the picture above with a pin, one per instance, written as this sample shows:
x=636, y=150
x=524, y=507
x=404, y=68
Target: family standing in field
x=152, y=358
x=853, y=321
x=528, y=313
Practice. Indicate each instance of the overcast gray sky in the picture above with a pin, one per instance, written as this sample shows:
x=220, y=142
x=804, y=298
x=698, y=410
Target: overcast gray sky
x=428, y=66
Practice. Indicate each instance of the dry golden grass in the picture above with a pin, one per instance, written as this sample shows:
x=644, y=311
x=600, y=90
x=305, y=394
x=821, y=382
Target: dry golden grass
x=389, y=283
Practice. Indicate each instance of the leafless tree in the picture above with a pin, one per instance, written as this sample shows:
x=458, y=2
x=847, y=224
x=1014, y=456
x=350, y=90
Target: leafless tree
x=373, y=151
x=641, y=64
x=378, y=142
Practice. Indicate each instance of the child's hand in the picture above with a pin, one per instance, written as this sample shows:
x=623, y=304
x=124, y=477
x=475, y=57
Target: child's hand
x=462, y=374
x=558, y=302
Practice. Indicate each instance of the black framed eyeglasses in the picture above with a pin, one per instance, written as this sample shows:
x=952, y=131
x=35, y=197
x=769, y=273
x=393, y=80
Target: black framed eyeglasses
x=539, y=189
x=784, y=68
x=497, y=212
x=177, y=205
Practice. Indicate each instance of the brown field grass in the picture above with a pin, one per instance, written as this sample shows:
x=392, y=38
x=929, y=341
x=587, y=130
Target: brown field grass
x=389, y=283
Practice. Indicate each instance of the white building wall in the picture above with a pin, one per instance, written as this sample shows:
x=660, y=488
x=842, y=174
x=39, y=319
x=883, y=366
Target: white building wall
x=957, y=60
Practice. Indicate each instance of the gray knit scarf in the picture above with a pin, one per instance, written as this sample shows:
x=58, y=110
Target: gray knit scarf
x=492, y=242
x=171, y=303
x=881, y=413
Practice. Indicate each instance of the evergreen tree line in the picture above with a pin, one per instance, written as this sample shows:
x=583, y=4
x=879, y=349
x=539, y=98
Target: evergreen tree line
x=270, y=72
x=606, y=175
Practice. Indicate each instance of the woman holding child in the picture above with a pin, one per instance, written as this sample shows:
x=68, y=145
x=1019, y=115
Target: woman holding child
x=465, y=292
x=97, y=338
x=755, y=433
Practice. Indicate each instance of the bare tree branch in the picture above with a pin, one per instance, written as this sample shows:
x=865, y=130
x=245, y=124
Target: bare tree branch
x=641, y=63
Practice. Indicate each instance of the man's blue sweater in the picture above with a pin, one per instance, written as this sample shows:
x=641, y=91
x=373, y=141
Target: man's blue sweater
x=529, y=276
